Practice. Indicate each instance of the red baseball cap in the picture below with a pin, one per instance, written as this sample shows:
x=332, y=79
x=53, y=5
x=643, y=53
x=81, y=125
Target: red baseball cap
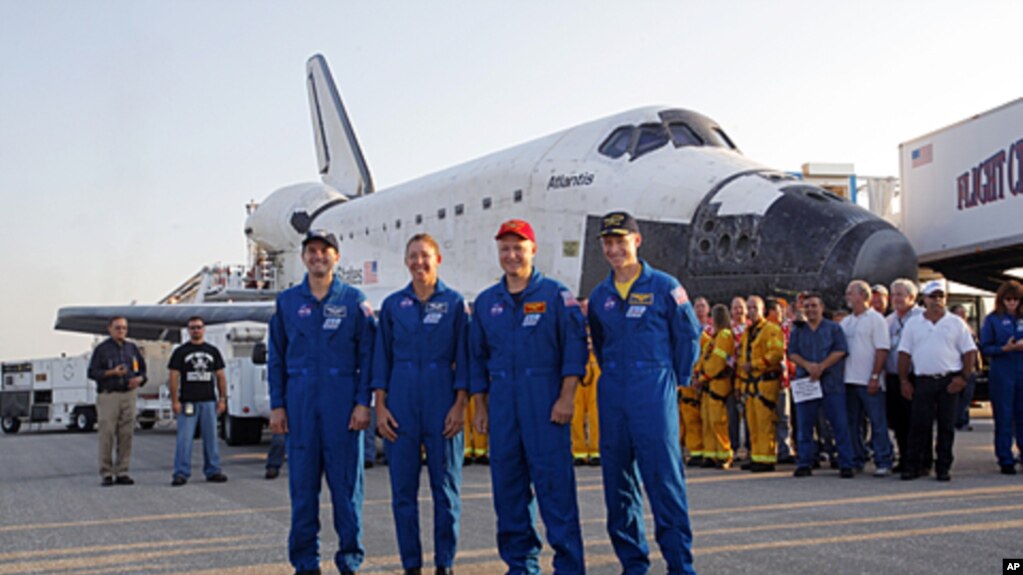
x=520, y=228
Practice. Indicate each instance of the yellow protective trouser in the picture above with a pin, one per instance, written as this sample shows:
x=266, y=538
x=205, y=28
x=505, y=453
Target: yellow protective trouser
x=716, y=443
x=761, y=418
x=475, y=443
x=690, y=427
x=585, y=429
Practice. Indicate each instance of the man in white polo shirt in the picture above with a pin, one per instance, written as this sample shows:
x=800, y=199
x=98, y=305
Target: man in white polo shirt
x=940, y=349
x=866, y=333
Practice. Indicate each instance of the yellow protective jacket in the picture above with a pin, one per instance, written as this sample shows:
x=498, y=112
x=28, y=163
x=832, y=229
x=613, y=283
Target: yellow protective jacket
x=715, y=360
x=765, y=353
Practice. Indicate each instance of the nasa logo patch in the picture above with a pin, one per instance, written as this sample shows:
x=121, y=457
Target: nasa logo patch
x=609, y=303
x=406, y=303
x=305, y=310
x=496, y=309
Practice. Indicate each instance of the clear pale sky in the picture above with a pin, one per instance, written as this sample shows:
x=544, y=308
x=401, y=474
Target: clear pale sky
x=133, y=133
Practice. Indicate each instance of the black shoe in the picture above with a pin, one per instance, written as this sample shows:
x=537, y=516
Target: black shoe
x=594, y=462
x=746, y=466
x=909, y=474
x=414, y=571
x=847, y=473
x=217, y=477
x=308, y=572
x=943, y=476
x=579, y=461
x=124, y=480
x=107, y=481
x=178, y=481
x=899, y=468
x=803, y=472
x=368, y=464
x=696, y=461
x=1008, y=469
x=762, y=467
x=483, y=460
x=448, y=570
x=272, y=472
x=708, y=463
x=467, y=461
x=786, y=460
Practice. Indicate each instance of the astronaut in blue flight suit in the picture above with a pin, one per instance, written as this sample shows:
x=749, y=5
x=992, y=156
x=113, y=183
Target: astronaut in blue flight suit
x=420, y=379
x=527, y=353
x=1001, y=339
x=320, y=351
x=646, y=339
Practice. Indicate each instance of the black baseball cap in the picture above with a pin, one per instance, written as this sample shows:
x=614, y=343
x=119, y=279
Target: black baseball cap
x=618, y=224
x=323, y=236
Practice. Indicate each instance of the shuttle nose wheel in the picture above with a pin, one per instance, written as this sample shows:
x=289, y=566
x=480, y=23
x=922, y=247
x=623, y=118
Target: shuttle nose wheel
x=10, y=424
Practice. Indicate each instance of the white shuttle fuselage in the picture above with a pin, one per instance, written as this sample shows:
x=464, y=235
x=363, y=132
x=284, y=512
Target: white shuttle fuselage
x=722, y=223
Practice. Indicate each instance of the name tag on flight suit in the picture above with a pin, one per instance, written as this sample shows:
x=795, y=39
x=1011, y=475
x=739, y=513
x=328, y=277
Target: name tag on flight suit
x=638, y=302
x=533, y=311
x=432, y=318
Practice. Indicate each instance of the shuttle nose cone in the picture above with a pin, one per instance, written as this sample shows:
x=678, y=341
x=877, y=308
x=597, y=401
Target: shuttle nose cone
x=884, y=256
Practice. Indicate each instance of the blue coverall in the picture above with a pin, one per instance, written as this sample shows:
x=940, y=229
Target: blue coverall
x=1005, y=382
x=319, y=369
x=519, y=355
x=421, y=361
x=647, y=345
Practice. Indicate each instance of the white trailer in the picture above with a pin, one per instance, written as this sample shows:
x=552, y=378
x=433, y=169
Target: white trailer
x=962, y=197
x=248, y=393
x=58, y=390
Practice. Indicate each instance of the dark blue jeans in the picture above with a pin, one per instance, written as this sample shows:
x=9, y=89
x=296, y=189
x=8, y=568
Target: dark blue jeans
x=858, y=403
x=835, y=411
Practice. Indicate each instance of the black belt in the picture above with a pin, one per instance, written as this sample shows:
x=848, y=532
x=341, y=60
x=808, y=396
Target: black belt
x=945, y=375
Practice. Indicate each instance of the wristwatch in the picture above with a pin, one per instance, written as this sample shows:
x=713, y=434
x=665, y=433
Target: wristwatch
x=875, y=376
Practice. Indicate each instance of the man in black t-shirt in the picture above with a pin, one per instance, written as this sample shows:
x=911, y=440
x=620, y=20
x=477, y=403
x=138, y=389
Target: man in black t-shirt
x=194, y=366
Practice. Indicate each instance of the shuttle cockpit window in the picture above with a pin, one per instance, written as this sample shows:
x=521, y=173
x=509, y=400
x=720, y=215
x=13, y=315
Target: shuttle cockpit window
x=683, y=135
x=721, y=139
x=617, y=144
x=651, y=137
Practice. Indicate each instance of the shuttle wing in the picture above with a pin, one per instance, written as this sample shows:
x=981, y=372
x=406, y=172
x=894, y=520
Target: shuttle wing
x=341, y=162
x=156, y=322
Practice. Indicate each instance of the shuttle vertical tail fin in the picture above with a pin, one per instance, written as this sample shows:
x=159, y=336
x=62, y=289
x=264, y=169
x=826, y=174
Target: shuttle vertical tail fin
x=340, y=159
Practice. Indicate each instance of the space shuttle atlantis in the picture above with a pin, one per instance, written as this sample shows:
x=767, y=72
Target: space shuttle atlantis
x=720, y=222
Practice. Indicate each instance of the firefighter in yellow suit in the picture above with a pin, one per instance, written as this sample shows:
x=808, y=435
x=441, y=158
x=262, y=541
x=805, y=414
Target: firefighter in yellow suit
x=476, y=446
x=690, y=423
x=715, y=379
x=761, y=357
x=585, y=429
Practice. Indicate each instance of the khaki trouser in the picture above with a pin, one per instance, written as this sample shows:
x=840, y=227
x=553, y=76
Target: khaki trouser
x=116, y=417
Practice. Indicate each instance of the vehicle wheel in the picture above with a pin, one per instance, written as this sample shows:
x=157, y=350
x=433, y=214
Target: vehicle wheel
x=85, y=419
x=11, y=424
x=147, y=424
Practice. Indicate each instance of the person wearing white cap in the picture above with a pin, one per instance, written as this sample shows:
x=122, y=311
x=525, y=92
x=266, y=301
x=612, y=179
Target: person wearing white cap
x=940, y=348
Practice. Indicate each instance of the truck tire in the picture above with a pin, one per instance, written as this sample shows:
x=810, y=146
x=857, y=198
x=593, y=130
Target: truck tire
x=147, y=424
x=11, y=424
x=85, y=419
x=243, y=430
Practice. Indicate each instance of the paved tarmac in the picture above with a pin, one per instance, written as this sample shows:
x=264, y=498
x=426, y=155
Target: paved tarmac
x=56, y=519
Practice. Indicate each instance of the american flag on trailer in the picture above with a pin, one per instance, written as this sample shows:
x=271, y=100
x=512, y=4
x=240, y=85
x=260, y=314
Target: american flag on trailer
x=921, y=156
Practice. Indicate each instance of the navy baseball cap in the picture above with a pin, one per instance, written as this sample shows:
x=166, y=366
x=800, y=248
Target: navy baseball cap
x=323, y=236
x=618, y=224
